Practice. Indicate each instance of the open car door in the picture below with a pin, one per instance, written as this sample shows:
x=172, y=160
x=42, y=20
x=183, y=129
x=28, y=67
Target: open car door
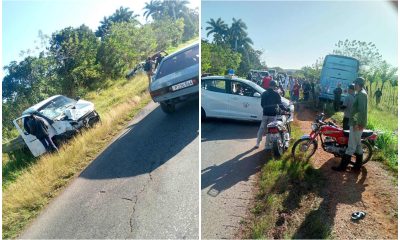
x=34, y=145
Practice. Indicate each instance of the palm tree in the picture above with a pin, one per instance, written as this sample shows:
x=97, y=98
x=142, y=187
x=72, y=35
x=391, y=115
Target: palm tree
x=175, y=8
x=121, y=15
x=153, y=9
x=238, y=35
x=219, y=28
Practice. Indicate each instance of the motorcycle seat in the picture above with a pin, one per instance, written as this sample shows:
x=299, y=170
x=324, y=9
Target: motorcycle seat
x=365, y=134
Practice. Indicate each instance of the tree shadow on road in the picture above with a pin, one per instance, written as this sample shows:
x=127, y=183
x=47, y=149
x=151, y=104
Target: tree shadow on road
x=233, y=171
x=148, y=144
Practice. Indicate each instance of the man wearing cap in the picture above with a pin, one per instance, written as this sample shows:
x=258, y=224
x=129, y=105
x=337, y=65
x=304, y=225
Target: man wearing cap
x=347, y=106
x=357, y=122
x=270, y=101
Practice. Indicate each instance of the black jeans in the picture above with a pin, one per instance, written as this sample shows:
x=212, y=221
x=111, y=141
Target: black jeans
x=48, y=144
x=346, y=123
x=336, y=104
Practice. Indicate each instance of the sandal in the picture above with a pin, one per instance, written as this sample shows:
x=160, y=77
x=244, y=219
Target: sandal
x=358, y=216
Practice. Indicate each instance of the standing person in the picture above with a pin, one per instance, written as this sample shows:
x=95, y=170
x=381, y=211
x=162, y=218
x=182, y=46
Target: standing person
x=249, y=76
x=306, y=90
x=378, y=95
x=347, y=106
x=148, y=68
x=337, y=96
x=317, y=92
x=291, y=84
x=266, y=81
x=296, y=90
x=357, y=122
x=270, y=102
x=37, y=127
x=158, y=57
x=312, y=85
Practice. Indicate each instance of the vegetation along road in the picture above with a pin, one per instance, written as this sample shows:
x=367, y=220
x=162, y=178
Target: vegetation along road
x=142, y=186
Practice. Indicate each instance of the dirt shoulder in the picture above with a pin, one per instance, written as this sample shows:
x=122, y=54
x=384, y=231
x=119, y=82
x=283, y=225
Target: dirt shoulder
x=374, y=191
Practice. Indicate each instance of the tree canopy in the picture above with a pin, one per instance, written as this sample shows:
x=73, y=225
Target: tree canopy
x=235, y=37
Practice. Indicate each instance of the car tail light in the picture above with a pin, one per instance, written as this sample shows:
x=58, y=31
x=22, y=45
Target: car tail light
x=158, y=92
x=195, y=81
x=273, y=130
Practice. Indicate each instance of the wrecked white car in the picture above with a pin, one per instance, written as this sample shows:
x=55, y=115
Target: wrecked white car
x=65, y=117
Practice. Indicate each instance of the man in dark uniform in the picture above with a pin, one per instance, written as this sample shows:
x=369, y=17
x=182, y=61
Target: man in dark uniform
x=270, y=101
x=36, y=126
x=338, y=94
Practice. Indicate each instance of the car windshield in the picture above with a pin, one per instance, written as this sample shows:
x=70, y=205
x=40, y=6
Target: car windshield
x=263, y=74
x=56, y=107
x=255, y=86
x=178, y=62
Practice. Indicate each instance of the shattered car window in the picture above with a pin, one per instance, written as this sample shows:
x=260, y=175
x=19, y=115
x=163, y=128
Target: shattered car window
x=56, y=107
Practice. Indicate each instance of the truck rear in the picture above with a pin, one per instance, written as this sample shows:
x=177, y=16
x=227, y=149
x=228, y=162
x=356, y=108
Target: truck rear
x=337, y=69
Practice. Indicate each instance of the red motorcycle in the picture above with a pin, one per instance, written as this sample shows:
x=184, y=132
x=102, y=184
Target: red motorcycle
x=333, y=140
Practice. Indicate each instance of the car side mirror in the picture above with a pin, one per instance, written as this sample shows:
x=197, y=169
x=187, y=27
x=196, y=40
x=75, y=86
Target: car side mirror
x=257, y=94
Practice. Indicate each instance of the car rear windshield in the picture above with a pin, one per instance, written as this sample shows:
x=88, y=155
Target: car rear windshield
x=178, y=62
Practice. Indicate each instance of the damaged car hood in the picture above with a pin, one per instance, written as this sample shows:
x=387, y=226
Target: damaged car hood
x=80, y=109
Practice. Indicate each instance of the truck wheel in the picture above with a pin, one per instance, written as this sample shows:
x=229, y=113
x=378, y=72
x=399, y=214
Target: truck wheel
x=167, y=107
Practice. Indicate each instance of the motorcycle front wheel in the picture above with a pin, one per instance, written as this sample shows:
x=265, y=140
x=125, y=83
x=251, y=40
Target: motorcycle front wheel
x=304, y=149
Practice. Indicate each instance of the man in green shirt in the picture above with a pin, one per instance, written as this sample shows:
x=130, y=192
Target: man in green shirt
x=357, y=122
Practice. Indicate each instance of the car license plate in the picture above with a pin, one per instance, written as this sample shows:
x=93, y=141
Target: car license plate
x=182, y=85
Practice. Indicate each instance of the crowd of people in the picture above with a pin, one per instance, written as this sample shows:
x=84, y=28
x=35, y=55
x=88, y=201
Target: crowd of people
x=309, y=88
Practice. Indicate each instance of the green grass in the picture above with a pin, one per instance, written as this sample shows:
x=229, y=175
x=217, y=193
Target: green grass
x=284, y=185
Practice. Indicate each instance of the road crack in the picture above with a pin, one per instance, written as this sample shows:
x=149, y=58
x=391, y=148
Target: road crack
x=136, y=199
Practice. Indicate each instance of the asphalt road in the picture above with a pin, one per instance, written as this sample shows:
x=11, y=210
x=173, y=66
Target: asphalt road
x=229, y=164
x=144, y=185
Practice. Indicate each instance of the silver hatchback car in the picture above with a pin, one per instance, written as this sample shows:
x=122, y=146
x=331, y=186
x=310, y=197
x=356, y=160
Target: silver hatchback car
x=177, y=78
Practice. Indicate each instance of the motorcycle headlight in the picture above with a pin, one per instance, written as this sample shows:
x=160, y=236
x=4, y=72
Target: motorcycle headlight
x=314, y=127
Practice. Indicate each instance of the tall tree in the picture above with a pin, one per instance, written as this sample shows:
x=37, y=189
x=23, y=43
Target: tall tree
x=237, y=35
x=75, y=50
x=121, y=15
x=218, y=28
x=387, y=72
x=367, y=53
x=154, y=9
x=125, y=46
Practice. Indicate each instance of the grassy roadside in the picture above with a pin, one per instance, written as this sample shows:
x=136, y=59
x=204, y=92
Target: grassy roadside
x=32, y=186
x=285, y=187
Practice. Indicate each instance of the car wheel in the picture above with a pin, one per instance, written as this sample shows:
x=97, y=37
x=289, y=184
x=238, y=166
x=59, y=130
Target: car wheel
x=167, y=107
